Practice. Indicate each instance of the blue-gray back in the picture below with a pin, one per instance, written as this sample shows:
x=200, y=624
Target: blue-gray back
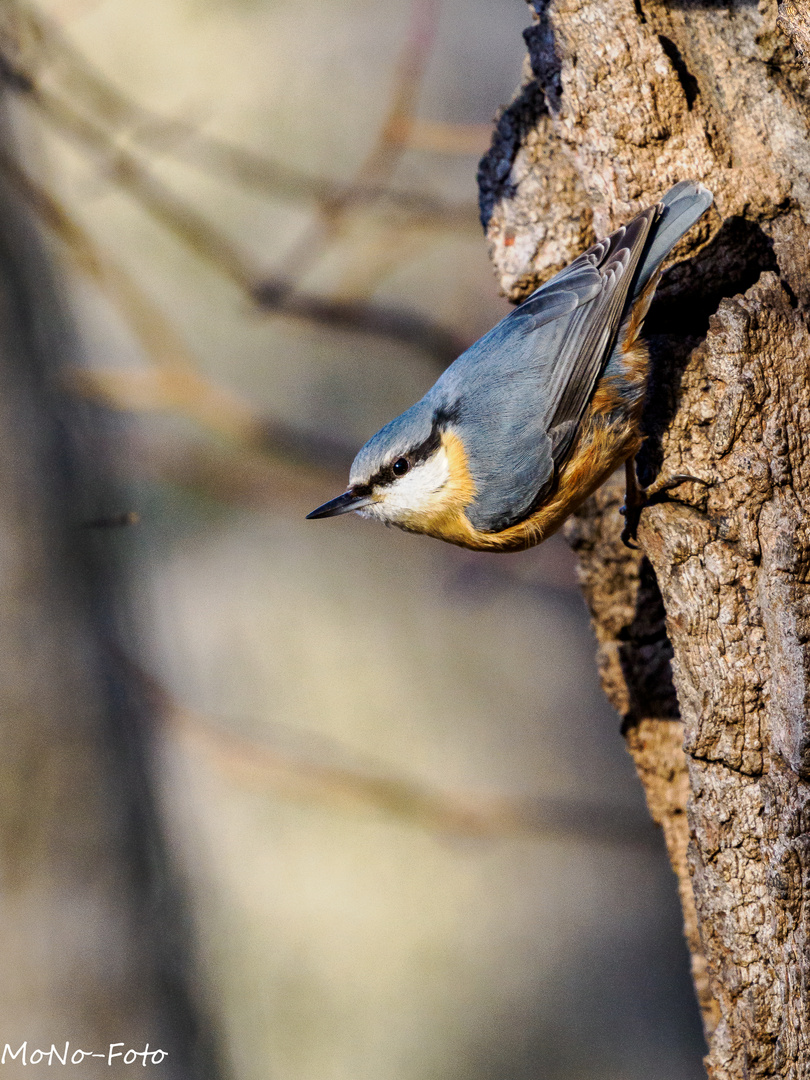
x=517, y=396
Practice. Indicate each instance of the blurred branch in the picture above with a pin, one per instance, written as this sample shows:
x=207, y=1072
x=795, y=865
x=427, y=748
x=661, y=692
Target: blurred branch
x=312, y=767
x=396, y=128
x=44, y=43
x=441, y=138
x=174, y=384
x=154, y=330
x=124, y=169
x=209, y=244
x=389, y=146
x=233, y=476
x=214, y=408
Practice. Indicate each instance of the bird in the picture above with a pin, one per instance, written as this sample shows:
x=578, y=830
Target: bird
x=530, y=420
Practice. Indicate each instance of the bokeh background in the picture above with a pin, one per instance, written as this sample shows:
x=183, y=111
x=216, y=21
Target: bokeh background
x=390, y=827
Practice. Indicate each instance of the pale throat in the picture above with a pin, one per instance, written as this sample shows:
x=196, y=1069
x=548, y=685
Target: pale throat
x=415, y=497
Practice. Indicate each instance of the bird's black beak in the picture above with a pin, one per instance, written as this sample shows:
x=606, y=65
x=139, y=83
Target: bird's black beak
x=349, y=500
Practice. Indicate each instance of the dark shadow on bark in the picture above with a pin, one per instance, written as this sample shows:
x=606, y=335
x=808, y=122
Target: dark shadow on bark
x=691, y=292
x=494, y=170
x=645, y=655
x=545, y=59
x=687, y=297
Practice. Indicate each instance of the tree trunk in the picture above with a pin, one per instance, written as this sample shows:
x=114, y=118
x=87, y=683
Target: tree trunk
x=702, y=633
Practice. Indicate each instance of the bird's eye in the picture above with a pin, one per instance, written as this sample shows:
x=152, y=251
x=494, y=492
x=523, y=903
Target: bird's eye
x=400, y=466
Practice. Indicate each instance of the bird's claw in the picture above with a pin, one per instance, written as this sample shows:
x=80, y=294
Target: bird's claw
x=637, y=498
x=632, y=516
x=628, y=539
x=657, y=492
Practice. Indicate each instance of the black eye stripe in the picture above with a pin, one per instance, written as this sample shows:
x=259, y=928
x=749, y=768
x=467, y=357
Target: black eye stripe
x=418, y=454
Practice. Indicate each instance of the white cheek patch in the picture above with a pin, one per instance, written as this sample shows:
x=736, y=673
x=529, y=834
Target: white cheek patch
x=414, y=493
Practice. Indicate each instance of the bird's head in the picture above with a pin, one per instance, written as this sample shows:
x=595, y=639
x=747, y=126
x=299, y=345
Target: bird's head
x=413, y=474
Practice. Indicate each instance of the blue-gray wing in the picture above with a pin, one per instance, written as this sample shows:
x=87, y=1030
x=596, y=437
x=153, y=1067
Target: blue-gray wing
x=532, y=376
x=609, y=268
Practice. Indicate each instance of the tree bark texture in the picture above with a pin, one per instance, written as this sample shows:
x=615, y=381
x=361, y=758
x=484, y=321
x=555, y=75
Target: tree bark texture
x=703, y=632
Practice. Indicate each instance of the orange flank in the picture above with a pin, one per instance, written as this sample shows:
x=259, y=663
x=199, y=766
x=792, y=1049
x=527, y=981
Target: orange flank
x=609, y=435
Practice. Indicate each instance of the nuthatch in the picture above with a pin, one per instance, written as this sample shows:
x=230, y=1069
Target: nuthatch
x=531, y=419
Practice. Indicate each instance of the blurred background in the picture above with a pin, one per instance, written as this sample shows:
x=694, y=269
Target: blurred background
x=300, y=800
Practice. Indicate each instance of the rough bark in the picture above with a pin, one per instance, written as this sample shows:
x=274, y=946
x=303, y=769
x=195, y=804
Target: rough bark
x=703, y=633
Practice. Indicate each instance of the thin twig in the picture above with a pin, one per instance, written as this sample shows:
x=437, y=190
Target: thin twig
x=174, y=383
x=395, y=130
x=160, y=134
x=443, y=138
x=317, y=768
x=208, y=243
x=389, y=145
x=271, y=292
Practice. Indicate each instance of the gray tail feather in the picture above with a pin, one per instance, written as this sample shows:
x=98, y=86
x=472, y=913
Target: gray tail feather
x=682, y=206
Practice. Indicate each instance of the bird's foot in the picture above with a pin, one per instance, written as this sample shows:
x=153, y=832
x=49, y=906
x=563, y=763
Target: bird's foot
x=637, y=498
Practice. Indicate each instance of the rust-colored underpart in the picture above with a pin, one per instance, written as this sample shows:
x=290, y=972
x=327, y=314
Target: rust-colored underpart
x=703, y=632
